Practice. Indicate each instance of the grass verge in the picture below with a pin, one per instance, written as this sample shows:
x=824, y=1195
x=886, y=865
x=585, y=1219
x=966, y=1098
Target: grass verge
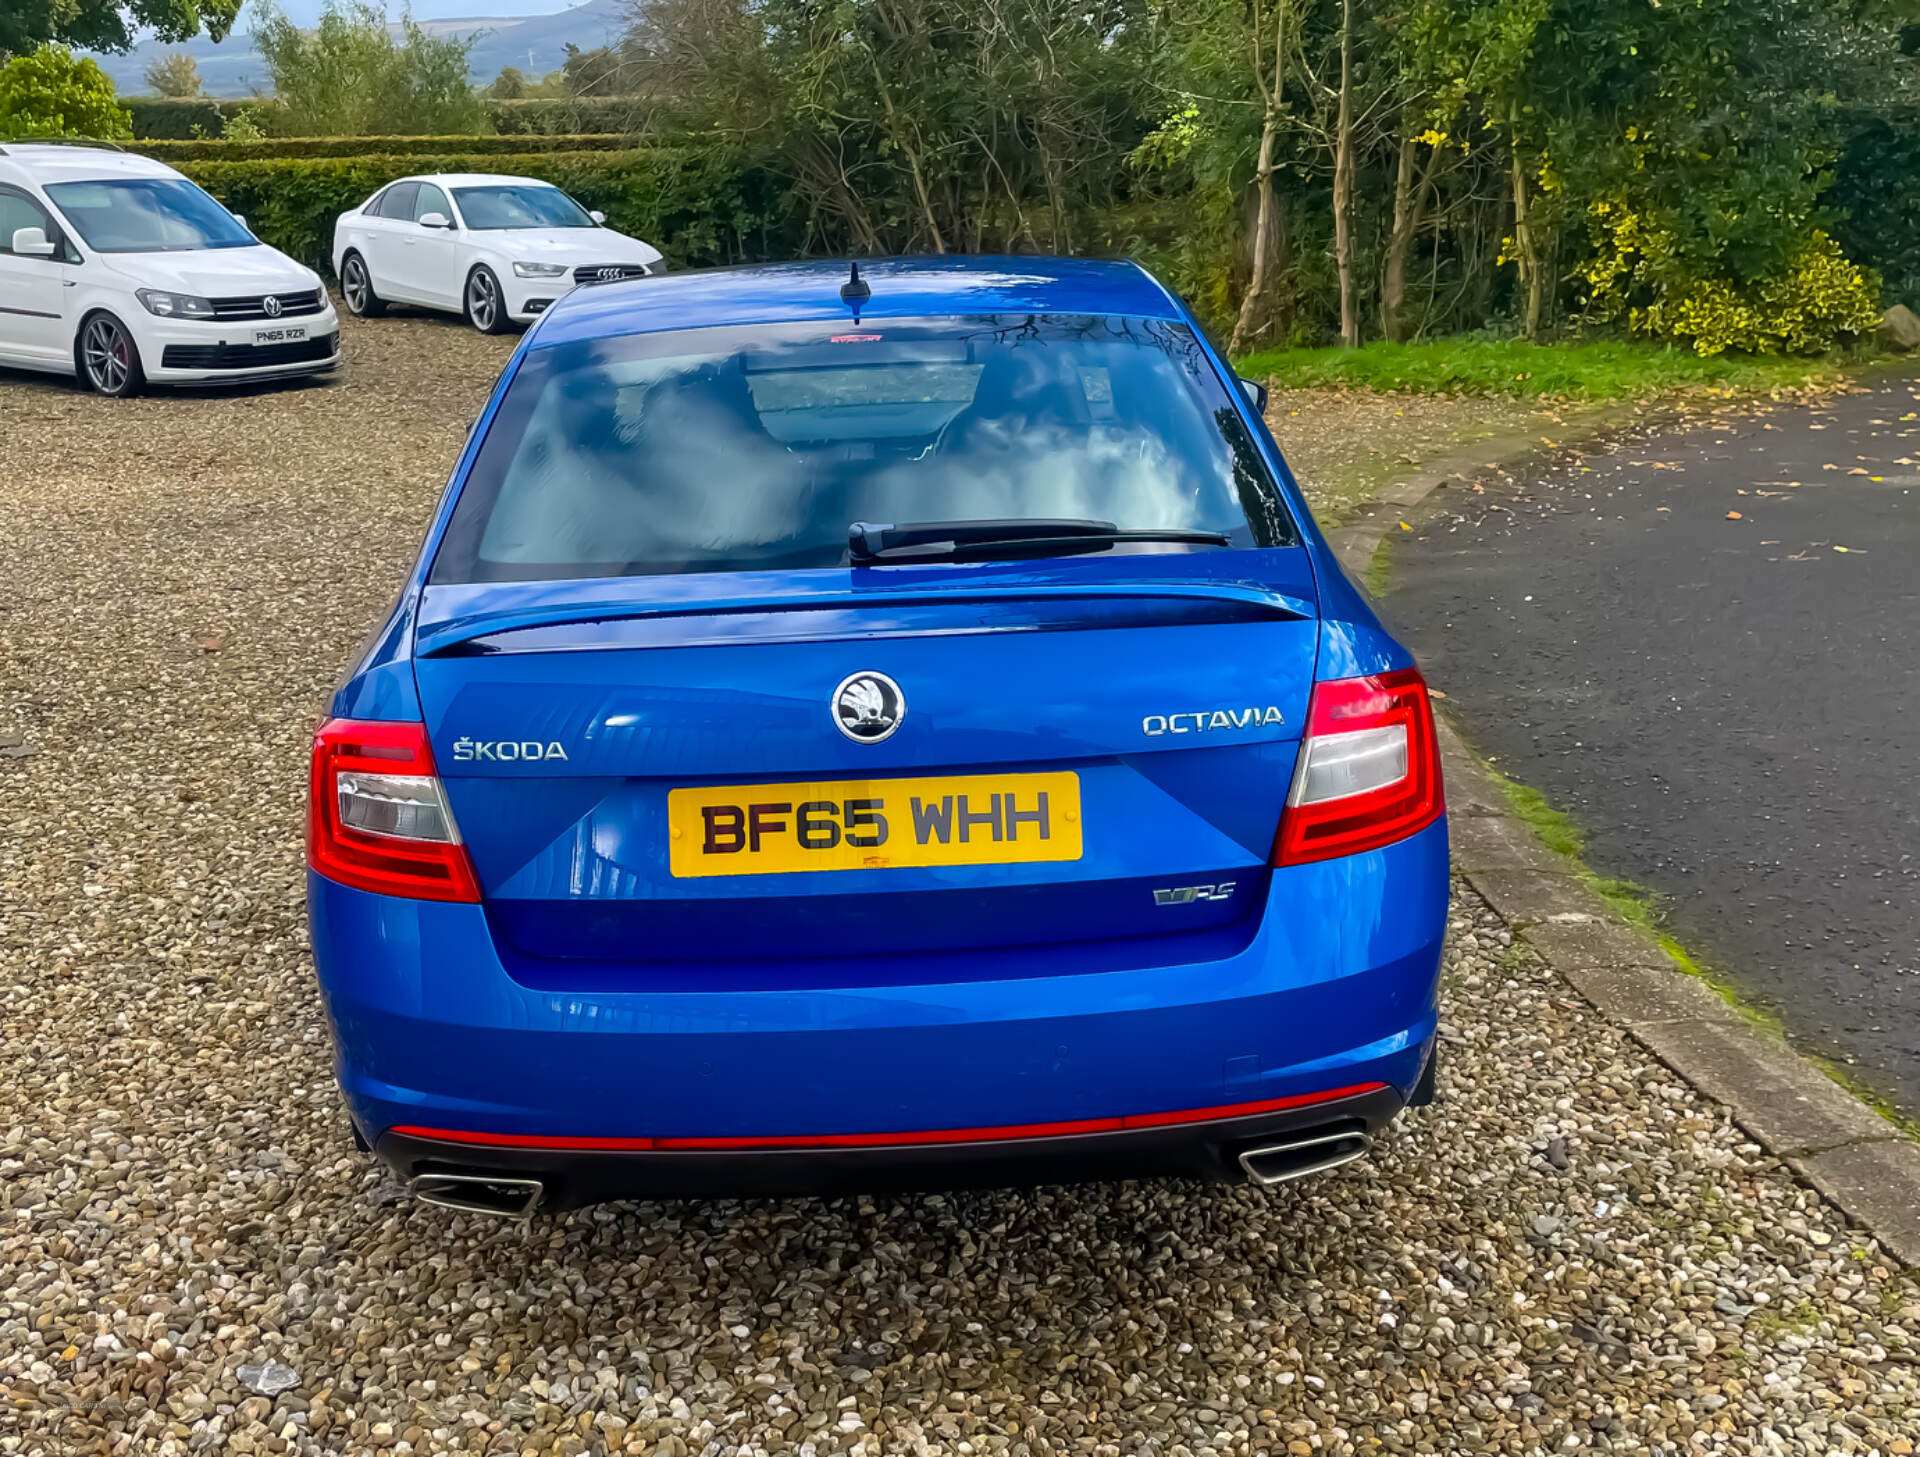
x=1610, y=369
x=1380, y=570
x=1640, y=907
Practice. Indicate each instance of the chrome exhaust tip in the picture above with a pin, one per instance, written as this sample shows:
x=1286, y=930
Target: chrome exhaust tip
x=1298, y=1158
x=496, y=1194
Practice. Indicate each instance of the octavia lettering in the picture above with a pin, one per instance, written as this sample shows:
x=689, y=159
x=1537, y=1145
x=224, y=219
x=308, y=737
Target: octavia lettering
x=1206, y=720
x=881, y=824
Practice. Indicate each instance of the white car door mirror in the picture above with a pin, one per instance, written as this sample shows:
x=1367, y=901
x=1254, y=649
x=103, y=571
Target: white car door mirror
x=435, y=220
x=240, y=218
x=598, y=217
x=32, y=243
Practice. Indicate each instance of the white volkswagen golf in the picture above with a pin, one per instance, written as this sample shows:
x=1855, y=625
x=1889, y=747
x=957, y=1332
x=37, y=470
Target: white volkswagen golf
x=497, y=249
x=117, y=269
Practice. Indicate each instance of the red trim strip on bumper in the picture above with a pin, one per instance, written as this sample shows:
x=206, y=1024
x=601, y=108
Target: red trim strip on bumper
x=890, y=1140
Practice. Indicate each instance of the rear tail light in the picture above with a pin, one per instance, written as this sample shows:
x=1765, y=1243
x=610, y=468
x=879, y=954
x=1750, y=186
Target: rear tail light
x=378, y=819
x=1368, y=772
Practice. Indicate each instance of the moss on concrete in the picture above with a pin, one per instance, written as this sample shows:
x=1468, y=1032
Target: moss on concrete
x=1641, y=908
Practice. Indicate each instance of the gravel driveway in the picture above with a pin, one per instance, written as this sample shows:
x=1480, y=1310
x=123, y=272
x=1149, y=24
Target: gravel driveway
x=1570, y=1253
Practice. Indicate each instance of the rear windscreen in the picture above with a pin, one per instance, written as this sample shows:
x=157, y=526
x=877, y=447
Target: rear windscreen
x=737, y=449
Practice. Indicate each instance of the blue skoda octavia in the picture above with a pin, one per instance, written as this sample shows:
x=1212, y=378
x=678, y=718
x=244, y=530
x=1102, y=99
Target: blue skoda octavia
x=892, y=726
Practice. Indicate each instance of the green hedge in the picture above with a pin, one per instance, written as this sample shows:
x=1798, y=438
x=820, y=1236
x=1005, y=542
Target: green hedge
x=160, y=117
x=173, y=152
x=554, y=117
x=697, y=207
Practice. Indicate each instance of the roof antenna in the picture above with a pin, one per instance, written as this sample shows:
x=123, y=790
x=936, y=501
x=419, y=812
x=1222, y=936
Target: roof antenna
x=855, y=291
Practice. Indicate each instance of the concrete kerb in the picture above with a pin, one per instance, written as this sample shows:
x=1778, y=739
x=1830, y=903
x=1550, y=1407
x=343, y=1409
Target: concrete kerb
x=1356, y=540
x=1783, y=1101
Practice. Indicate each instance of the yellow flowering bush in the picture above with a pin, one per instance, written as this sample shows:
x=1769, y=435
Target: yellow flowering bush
x=1637, y=273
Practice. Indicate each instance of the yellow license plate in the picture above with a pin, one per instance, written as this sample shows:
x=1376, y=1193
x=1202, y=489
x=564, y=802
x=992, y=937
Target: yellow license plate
x=873, y=824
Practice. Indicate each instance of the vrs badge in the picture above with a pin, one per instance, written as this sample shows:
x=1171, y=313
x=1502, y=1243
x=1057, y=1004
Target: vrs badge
x=1186, y=895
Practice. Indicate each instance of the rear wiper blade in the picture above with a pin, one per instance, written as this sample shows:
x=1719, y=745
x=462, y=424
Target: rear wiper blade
x=869, y=541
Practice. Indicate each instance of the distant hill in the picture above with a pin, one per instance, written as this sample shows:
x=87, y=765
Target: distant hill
x=536, y=44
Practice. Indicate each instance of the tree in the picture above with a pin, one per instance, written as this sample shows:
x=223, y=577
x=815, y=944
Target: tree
x=348, y=76
x=1256, y=306
x=109, y=25
x=914, y=125
x=509, y=85
x=51, y=92
x=1701, y=167
x=174, y=75
x=1343, y=165
x=1297, y=168
x=590, y=73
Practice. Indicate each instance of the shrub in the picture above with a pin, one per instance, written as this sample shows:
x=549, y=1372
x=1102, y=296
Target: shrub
x=53, y=93
x=1638, y=273
x=175, y=74
x=697, y=207
x=349, y=75
x=159, y=118
x=575, y=115
x=1875, y=201
x=162, y=119
x=227, y=150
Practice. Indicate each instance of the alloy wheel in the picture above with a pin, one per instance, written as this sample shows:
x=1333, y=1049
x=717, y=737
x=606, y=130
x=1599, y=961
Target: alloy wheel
x=353, y=283
x=483, y=300
x=107, y=354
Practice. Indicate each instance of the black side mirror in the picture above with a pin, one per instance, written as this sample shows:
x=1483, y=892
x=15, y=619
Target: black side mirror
x=1255, y=392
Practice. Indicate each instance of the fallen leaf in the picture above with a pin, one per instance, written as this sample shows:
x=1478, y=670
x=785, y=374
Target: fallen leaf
x=1405, y=527
x=1435, y=693
x=211, y=642
x=1854, y=549
x=1733, y=516
x=1857, y=471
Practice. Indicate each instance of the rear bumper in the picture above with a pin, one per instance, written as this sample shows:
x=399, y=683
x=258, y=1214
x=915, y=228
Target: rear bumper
x=1336, y=989
x=1207, y=1148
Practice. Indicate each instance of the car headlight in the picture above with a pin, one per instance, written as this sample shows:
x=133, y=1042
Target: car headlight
x=174, y=305
x=539, y=270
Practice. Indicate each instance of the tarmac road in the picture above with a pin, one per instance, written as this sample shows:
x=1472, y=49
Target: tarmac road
x=1726, y=706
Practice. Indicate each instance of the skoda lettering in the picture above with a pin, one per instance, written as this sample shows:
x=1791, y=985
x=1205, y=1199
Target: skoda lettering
x=506, y=751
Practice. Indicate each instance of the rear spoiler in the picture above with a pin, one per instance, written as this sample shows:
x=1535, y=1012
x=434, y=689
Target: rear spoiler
x=486, y=629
